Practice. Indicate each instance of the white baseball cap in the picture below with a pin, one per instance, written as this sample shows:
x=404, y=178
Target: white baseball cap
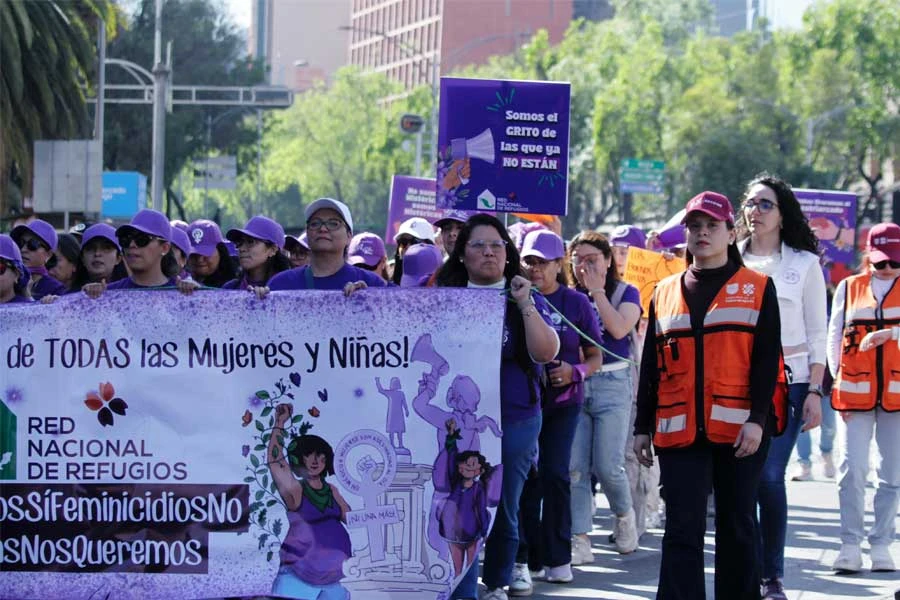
x=333, y=204
x=417, y=227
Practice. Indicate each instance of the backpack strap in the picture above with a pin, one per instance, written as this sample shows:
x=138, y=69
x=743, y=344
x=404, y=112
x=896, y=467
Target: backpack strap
x=618, y=294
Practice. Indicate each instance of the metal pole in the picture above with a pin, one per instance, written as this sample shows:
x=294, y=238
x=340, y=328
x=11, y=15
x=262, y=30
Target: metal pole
x=419, y=153
x=259, y=132
x=206, y=167
x=435, y=92
x=101, y=86
x=160, y=74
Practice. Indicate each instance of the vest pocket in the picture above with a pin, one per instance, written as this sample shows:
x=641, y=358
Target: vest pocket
x=672, y=419
x=855, y=390
x=891, y=400
x=728, y=411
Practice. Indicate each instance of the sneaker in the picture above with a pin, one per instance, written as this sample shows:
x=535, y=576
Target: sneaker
x=882, y=561
x=828, y=463
x=581, y=550
x=539, y=574
x=626, y=533
x=773, y=589
x=849, y=559
x=495, y=594
x=560, y=574
x=804, y=472
x=520, y=581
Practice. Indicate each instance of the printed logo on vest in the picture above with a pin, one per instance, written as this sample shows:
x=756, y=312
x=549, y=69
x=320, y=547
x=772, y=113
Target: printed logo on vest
x=749, y=289
x=731, y=288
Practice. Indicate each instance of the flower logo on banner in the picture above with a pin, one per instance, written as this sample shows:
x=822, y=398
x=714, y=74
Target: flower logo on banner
x=104, y=403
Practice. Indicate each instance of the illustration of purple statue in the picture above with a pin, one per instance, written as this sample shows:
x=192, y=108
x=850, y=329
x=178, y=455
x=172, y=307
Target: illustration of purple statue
x=317, y=543
x=397, y=413
x=463, y=397
x=470, y=485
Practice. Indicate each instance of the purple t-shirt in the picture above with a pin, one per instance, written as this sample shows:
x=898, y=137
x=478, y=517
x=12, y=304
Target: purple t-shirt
x=577, y=308
x=47, y=285
x=621, y=347
x=295, y=279
x=17, y=299
x=515, y=396
x=129, y=284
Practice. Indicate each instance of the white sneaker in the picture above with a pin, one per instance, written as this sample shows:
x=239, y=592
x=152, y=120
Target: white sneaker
x=626, y=533
x=581, y=551
x=520, y=581
x=828, y=463
x=560, y=574
x=849, y=559
x=804, y=472
x=495, y=594
x=539, y=574
x=882, y=561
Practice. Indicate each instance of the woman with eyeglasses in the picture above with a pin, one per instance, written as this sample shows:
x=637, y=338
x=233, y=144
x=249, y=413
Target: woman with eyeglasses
x=259, y=246
x=210, y=263
x=297, y=249
x=146, y=244
x=415, y=230
x=775, y=239
x=545, y=508
x=484, y=257
x=865, y=315
x=13, y=274
x=37, y=240
x=598, y=447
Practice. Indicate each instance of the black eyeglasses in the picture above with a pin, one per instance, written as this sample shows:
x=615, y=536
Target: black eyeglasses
x=141, y=240
x=33, y=244
x=764, y=205
x=883, y=264
x=330, y=224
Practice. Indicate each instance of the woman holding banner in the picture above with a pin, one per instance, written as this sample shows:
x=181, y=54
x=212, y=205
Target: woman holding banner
x=37, y=241
x=598, y=447
x=778, y=242
x=259, y=246
x=484, y=257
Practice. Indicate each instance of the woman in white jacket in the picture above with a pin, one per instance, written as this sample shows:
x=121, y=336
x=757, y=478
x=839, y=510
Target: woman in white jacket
x=779, y=243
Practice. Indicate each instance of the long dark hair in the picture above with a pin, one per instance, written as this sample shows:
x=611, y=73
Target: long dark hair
x=601, y=243
x=275, y=264
x=453, y=273
x=82, y=277
x=795, y=229
x=225, y=272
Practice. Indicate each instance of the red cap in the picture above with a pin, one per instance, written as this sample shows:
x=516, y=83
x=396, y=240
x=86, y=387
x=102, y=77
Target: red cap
x=884, y=242
x=715, y=205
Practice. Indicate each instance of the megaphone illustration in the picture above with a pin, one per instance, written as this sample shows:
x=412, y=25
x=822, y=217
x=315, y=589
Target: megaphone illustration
x=481, y=147
x=424, y=352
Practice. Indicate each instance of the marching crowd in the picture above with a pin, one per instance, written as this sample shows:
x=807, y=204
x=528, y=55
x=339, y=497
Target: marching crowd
x=739, y=358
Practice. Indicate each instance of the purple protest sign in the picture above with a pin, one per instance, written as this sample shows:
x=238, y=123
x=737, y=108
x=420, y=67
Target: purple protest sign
x=832, y=216
x=503, y=146
x=415, y=197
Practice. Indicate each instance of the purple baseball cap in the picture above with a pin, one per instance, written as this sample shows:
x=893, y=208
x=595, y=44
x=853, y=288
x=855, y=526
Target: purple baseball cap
x=9, y=250
x=181, y=240
x=179, y=224
x=420, y=260
x=336, y=205
x=261, y=228
x=543, y=243
x=100, y=230
x=458, y=216
x=671, y=238
x=713, y=204
x=365, y=248
x=148, y=221
x=628, y=235
x=42, y=229
x=205, y=236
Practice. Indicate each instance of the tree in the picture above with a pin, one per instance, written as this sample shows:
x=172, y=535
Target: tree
x=48, y=53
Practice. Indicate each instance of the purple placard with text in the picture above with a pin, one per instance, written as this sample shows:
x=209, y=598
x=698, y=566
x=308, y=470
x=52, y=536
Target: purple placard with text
x=832, y=216
x=503, y=146
x=415, y=197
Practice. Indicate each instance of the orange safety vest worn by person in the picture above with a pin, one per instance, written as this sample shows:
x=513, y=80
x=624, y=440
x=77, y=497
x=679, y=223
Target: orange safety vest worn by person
x=868, y=379
x=717, y=357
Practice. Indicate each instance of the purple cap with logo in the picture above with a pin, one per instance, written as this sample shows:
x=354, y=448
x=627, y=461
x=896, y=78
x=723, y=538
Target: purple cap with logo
x=100, y=230
x=205, y=236
x=543, y=243
x=261, y=228
x=628, y=235
x=458, y=216
x=713, y=204
x=39, y=228
x=365, y=248
x=149, y=221
x=9, y=250
x=420, y=261
x=181, y=240
x=884, y=242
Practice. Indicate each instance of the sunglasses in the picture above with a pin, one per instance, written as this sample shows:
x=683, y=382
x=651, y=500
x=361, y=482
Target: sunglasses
x=883, y=264
x=33, y=244
x=141, y=240
x=763, y=205
x=406, y=241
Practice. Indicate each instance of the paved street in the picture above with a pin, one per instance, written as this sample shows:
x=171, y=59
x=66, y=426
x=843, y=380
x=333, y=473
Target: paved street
x=812, y=547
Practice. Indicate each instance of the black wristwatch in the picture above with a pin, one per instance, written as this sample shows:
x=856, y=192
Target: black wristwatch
x=817, y=390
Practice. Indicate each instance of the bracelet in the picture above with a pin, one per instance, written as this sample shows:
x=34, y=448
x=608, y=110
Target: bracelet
x=531, y=310
x=600, y=291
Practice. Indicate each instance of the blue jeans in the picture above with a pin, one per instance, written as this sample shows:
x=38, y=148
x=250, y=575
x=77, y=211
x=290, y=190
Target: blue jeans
x=468, y=585
x=826, y=434
x=518, y=453
x=771, y=494
x=598, y=447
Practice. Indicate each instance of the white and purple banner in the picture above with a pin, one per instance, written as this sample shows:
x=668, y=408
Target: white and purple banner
x=160, y=445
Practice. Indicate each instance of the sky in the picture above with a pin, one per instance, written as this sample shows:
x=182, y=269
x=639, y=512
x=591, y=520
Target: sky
x=241, y=11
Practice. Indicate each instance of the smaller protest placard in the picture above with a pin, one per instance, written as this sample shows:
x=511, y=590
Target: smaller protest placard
x=644, y=269
x=832, y=217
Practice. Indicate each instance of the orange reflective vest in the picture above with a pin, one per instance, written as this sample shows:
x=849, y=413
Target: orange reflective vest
x=707, y=371
x=868, y=379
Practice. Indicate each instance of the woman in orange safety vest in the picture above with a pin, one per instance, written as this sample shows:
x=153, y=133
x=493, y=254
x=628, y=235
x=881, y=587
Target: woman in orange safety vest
x=705, y=399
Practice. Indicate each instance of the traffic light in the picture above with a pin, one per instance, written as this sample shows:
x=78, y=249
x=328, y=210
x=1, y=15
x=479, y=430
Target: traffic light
x=411, y=123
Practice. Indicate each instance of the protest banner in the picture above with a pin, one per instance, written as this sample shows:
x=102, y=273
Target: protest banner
x=645, y=268
x=832, y=217
x=163, y=446
x=415, y=197
x=503, y=145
